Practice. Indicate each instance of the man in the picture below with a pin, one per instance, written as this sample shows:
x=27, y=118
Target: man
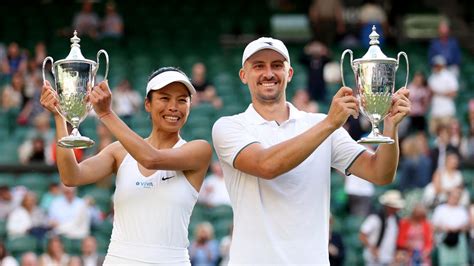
x=277, y=162
x=446, y=46
x=378, y=232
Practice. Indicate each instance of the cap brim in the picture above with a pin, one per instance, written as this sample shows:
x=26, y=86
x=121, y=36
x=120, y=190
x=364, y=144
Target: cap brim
x=263, y=48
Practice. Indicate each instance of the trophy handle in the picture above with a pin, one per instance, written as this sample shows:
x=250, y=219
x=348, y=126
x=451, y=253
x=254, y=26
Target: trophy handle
x=49, y=58
x=102, y=51
x=408, y=67
x=342, y=63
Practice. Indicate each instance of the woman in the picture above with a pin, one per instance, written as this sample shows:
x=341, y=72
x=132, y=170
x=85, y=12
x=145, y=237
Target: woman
x=27, y=219
x=157, y=178
x=451, y=222
x=415, y=235
x=54, y=254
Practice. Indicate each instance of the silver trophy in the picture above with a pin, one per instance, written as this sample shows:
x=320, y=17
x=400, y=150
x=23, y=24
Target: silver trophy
x=74, y=77
x=375, y=84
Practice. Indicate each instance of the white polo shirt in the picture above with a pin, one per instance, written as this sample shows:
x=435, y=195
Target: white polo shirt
x=284, y=220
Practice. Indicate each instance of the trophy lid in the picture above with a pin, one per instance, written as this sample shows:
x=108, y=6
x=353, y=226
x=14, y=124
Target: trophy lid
x=75, y=54
x=375, y=53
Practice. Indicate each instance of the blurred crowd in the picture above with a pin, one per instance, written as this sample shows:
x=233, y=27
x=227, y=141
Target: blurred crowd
x=436, y=143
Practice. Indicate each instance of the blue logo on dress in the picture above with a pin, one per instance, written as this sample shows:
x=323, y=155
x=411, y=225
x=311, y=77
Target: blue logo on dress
x=144, y=184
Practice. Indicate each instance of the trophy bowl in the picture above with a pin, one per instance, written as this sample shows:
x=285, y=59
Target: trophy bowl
x=74, y=77
x=375, y=85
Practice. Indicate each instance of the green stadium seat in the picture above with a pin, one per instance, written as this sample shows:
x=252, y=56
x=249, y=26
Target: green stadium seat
x=3, y=229
x=35, y=182
x=18, y=245
x=72, y=246
x=7, y=179
x=104, y=229
x=102, y=243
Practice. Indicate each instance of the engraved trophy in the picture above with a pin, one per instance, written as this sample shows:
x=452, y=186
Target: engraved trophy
x=74, y=77
x=375, y=84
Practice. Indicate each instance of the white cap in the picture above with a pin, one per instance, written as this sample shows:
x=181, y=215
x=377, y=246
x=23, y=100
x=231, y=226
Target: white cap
x=392, y=198
x=167, y=77
x=438, y=60
x=265, y=43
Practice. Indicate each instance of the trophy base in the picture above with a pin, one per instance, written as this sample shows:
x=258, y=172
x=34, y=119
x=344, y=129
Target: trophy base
x=75, y=142
x=376, y=140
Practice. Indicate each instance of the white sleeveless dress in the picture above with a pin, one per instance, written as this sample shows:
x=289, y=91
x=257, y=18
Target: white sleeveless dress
x=151, y=216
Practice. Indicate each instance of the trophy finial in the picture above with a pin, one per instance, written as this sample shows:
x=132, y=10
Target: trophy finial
x=75, y=53
x=374, y=37
x=75, y=40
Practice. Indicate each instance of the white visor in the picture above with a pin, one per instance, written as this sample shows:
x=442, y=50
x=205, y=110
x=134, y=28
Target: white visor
x=165, y=78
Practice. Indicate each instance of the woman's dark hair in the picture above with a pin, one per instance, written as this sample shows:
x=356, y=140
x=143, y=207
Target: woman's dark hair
x=162, y=70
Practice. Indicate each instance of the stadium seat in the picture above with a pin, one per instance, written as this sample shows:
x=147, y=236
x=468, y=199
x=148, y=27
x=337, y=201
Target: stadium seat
x=72, y=246
x=35, y=182
x=3, y=228
x=18, y=245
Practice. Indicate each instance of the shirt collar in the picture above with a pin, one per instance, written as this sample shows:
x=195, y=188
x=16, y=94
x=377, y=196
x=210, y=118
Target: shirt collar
x=254, y=117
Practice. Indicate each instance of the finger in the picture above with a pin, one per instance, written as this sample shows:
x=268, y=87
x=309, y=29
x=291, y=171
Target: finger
x=104, y=85
x=349, y=98
x=46, y=83
x=403, y=91
x=343, y=91
x=353, y=109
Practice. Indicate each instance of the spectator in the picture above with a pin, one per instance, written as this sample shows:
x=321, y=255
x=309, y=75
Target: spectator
x=89, y=255
x=54, y=254
x=29, y=259
x=415, y=164
x=224, y=248
x=41, y=131
x=126, y=101
x=446, y=46
x=95, y=213
x=69, y=215
x=336, y=246
x=420, y=101
x=326, y=20
x=372, y=14
x=112, y=24
x=15, y=60
x=13, y=95
x=7, y=202
x=206, y=92
x=379, y=232
x=86, y=22
x=40, y=54
x=5, y=259
x=444, y=180
x=455, y=133
x=204, y=250
x=467, y=142
x=441, y=147
x=451, y=222
x=416, y=236
x=471, y=214
x=213, y=191
x=302, y=102
x=27, y=219
x=315, y=56
x=54, y=192
x=444, y=87
x=359, y=193
x=32, y=92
